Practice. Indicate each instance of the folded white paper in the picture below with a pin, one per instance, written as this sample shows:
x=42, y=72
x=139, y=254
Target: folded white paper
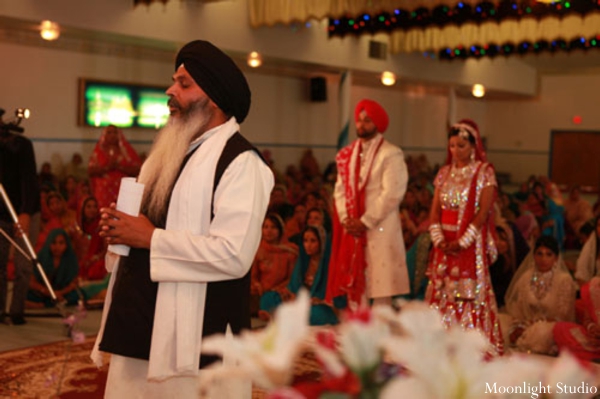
x=129, y=202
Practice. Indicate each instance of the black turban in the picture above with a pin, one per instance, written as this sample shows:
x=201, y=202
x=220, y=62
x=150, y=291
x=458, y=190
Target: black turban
x=218, y=76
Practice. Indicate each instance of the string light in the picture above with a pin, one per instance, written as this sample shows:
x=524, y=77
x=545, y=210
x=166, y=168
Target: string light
x=459, y=13
x=522, y=48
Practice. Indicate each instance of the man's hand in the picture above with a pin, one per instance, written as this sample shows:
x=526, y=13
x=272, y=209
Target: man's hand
x=119, y=228
x=354, y=226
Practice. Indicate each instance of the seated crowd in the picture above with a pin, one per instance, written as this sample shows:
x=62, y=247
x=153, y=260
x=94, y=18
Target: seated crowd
x=548, y=302
x=68, y=245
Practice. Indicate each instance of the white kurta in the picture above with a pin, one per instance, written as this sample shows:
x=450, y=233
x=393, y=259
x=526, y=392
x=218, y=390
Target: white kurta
x=386, y=274
x=191, y=251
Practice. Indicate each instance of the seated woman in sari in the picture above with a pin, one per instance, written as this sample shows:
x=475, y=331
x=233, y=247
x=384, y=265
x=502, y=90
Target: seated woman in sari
x=588, y=262
x=311, y=272
x=91, y=260
x=61, y=217
x=59, y=262
x=583, y=340
x=503, y=269
x=315, y=216
x=272, y=266
x=541, y=293
x=417, y=258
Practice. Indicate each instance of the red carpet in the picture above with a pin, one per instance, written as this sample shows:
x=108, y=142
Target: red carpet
x=60, y=370
x=64, y=370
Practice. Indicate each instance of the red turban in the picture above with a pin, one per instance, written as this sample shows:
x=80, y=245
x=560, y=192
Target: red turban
x=375, y=112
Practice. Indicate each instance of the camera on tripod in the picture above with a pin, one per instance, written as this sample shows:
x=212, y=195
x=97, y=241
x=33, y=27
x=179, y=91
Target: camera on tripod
x=13, y=126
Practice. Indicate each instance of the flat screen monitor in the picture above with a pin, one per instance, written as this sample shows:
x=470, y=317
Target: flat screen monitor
x=124, y=105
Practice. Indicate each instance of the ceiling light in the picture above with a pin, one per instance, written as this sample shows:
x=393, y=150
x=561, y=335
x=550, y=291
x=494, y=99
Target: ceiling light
x=254, y=59
x=49, y=30
x=388, y=78
x=478, y=90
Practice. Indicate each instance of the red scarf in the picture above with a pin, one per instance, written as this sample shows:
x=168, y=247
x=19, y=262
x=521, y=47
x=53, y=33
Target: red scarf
x=347, y=265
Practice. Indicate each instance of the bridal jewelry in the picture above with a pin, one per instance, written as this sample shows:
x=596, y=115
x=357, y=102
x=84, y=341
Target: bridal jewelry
x=461, y=173
x=541, y=283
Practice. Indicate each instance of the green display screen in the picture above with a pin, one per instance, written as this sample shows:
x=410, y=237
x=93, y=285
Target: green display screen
x=123, y=105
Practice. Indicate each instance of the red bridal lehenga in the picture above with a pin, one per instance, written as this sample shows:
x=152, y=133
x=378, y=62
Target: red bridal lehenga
x=459, y=285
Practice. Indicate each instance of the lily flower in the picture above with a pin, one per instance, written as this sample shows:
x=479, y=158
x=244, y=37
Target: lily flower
x=267, y=356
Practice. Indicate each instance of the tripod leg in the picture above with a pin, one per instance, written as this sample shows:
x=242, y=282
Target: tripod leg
x=23, y=272
x=4, y=247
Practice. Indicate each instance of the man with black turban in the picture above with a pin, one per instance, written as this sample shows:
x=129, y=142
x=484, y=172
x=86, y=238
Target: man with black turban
x=187, y=273
x=369, y=261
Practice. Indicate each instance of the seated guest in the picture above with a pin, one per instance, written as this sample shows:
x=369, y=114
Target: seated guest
x=61, y=217
x=91, y=260
x=272, y=266
x=70, y=192
x=547, y=206
x=311, y=271
x=577, y=212
x=278, y=203
x=588, y=262
x=417, y=259
x=59, y=262
x=47, y=178
x=296, y=223
x=503, y=269
x=583, y=340
x=527, y=224
x=541, y=293
x=76, y=168
x=314, y=217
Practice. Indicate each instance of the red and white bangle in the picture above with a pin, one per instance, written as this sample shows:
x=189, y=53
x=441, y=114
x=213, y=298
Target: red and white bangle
x=437, y=237
x=468, y=237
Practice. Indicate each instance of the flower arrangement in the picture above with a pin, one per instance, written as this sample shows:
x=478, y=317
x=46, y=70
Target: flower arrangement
x=381, y=353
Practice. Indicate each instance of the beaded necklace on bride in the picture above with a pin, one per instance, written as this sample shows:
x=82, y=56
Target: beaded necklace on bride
x=541, y=282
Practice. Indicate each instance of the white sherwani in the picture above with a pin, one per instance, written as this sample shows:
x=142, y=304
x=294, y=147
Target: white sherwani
x=192, y=251
x=386, y=273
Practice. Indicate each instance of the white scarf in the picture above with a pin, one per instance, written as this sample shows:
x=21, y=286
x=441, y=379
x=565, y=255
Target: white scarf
x=179, y=314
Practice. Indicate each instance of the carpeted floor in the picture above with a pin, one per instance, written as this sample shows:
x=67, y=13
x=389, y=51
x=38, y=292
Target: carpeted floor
x=59, y=370
x=64, y=370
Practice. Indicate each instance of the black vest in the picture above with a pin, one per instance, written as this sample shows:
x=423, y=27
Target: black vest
x=128, y=329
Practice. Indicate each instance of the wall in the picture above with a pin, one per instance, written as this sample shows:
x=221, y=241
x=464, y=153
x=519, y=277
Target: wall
x=519, y=131
x=284, y=121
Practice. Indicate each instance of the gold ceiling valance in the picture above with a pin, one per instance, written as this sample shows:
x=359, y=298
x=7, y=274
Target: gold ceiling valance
x=271, y=12
x=510, y=31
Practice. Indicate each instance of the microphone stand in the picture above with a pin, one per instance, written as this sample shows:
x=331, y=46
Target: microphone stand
x=32, y=257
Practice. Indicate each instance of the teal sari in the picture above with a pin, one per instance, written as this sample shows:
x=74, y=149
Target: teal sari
x=59, y=277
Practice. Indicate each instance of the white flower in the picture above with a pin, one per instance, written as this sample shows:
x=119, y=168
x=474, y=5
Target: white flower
x=361, y=341
x=441, y=363
x=265, y=356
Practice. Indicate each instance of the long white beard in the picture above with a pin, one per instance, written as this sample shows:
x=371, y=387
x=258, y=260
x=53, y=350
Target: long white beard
x=161, y=168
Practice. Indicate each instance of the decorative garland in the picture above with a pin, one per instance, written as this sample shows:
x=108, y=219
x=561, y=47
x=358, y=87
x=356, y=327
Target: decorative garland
x=460, y=14
x=506, y=49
